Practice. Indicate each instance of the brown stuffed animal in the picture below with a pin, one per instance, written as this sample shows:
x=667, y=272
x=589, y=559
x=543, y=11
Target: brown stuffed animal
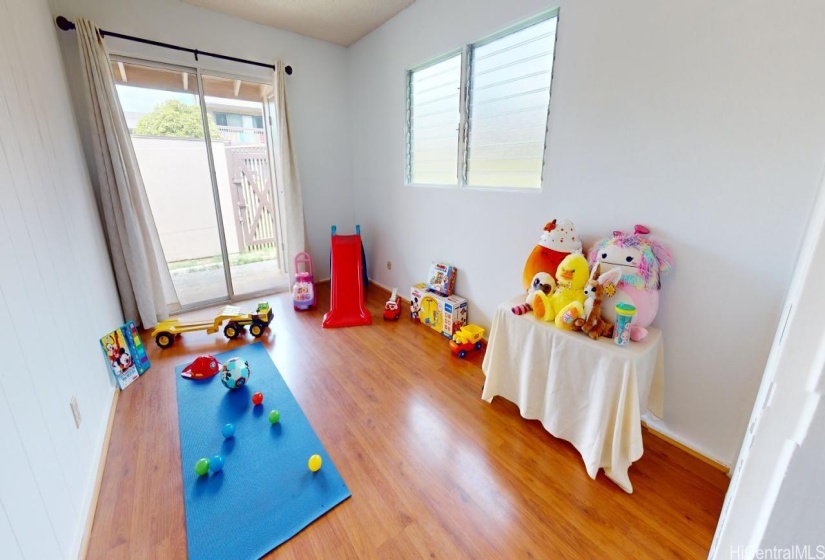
x=593, y=324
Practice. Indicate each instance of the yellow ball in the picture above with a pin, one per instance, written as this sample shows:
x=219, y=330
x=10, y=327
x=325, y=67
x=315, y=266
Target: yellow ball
x=314, y=463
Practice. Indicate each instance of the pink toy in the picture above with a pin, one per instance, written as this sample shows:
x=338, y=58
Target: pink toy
x=642, y=261
x=303, y=291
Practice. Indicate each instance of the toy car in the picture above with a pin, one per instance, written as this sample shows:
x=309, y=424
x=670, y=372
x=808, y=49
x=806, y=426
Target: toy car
x=166, y=331
x=467, y=338
x=392, y=309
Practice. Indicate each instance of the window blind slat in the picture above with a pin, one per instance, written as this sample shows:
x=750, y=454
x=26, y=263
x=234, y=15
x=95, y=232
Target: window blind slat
x=432, y=123
x=508, y=100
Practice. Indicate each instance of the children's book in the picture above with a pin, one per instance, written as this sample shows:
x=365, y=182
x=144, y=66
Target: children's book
x=125, y=354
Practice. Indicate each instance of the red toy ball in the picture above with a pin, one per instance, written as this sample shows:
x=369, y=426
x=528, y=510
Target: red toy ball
x=257, y=398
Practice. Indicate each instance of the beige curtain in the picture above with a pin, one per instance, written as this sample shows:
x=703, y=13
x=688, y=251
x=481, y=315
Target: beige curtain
x=286, y=175
x=142, y=276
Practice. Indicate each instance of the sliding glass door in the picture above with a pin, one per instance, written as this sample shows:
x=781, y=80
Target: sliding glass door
x=246, y=182
x=202, y=149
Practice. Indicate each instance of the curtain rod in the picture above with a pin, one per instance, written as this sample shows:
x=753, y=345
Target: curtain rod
x=67, y=25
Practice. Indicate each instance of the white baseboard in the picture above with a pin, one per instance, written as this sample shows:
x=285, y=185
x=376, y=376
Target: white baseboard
x=88, y=508
x=383, y=287
x=659, y=428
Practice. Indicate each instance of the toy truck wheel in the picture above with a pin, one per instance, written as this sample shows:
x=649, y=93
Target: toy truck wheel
x=256, y=329
x=164, y=339
x=231, y=331
x=478, y=345
x=462, y=354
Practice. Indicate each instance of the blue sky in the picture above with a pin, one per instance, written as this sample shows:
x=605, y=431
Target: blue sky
x=143, y=100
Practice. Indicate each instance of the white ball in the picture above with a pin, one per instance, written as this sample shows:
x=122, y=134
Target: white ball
x=235, y=373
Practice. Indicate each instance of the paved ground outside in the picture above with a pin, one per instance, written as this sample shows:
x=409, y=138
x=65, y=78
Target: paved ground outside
x=198, y=284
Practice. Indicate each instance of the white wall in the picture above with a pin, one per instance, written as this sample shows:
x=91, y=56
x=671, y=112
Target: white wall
x=175, y=173
x=702, y=120
x=57, y=297
x=777, y=488
x=319, y=110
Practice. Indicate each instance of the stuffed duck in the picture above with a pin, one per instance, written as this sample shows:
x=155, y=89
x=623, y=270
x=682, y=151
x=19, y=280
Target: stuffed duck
x=565, y=305
x=642, y=262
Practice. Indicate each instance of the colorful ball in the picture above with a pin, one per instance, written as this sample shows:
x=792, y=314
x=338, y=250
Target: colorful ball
x=235, y=373
x=202, y=466
x=274, y=416
x=228, y=430
x=315, y=463
x=216, y=464
x=257, y=398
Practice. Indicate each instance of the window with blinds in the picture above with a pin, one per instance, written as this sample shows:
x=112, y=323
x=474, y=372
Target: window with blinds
x=433, y=116
x=478, y=118
x=508, y=101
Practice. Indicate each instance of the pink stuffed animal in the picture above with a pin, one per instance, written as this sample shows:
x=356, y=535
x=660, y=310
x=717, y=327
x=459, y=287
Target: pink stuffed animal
x=642, y=261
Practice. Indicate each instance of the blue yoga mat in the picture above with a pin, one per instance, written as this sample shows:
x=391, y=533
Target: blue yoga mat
x=266, y=493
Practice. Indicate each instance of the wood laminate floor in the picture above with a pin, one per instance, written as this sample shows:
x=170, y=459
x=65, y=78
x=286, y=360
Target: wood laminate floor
x=434, y=471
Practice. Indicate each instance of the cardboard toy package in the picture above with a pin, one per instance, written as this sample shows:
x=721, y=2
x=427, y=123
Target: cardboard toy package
x=445, y=314
x=441, y=279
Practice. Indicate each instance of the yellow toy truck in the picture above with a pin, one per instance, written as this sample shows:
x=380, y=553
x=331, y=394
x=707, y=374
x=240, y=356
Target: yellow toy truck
x=166, y=331
x=466, y=338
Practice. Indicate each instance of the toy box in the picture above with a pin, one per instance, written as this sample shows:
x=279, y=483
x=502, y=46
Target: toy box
x=441, y=279
x=125, y=354
x=445, y=314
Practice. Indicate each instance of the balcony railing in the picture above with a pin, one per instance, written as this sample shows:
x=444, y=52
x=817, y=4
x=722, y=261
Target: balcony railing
x=242, y=134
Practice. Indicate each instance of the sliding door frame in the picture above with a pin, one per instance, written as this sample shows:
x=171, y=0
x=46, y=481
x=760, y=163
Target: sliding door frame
x=216, y=195
x=283, y=266
x=270, y=156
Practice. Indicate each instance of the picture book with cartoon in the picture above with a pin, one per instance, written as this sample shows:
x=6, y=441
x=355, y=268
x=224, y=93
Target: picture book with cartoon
x=125, y=354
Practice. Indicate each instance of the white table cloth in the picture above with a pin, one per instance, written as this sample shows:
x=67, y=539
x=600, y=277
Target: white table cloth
x=591, y=393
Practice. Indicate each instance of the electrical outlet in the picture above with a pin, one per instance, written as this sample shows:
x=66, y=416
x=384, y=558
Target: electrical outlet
x=75, y=411
x=389, y=265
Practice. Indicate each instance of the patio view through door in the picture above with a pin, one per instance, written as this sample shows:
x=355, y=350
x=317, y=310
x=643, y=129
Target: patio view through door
x=213, y=201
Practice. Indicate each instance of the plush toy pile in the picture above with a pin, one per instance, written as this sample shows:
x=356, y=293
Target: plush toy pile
x=626, y=268
x=557, y=241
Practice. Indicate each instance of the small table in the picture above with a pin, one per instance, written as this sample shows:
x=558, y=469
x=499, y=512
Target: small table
x=591, y=393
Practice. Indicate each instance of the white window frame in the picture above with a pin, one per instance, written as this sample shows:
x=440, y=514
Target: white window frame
x=408, y=116
x=464, y=104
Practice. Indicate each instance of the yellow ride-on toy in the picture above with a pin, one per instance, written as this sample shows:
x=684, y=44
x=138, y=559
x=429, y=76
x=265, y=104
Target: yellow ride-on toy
x=166, y=331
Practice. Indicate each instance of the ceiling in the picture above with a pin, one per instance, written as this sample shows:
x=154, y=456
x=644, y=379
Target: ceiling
x=338, y=21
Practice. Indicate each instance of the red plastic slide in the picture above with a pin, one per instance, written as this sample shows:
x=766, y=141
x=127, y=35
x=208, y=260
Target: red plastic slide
x=347, y=300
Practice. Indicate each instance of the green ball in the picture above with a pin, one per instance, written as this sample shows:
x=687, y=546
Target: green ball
x=202, y=466
x=274, y=416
